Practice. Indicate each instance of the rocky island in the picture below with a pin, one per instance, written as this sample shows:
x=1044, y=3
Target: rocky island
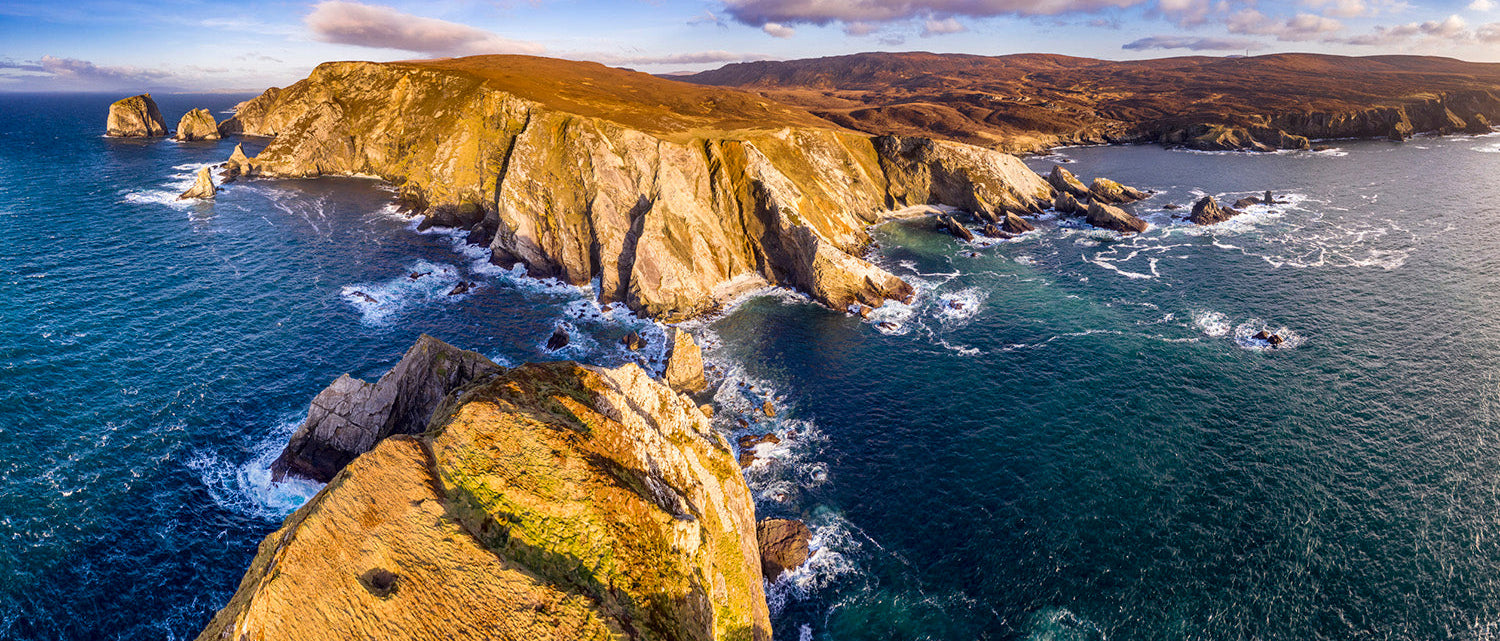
x=135, y=117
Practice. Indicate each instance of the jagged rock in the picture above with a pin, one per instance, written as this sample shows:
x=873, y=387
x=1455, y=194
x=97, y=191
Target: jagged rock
x=768, y=409
x=673, y=204
x=350, y=416
x=784, y=545
x=1112, y=193
x=197, y=124
x=461, y=288
x=203, y=187
x=364, y=297
x=1014, y=224
x=1066, y=183
x=1268, y=199
x=1275, y=339
x=1171, y=206
x=633, y=341
x=238, y=164
x=1111, y=217
x=751, y=440
x=1245, y=202
x=1478, y=124
x=1065, y=203
x=135, y=117
x=1208, y=212
x=947, y=223
x=685, y=364
x=558, y=340
x=552, y=502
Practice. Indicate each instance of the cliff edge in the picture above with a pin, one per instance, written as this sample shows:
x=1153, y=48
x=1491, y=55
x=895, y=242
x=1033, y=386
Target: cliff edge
x=546, y=501
x=676, y=197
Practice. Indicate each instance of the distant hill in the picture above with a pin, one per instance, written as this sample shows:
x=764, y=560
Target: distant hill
x=1027, y=102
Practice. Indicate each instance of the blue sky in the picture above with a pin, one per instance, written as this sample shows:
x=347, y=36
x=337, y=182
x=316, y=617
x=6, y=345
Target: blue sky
x=113, y=45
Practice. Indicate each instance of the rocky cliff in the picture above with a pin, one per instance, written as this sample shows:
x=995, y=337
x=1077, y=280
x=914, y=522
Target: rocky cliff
x=551, y=501
x=675, y=197
x=134, y=117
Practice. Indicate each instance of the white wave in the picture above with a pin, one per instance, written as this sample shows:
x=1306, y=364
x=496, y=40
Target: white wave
x=167, y=193
x=247, y=488
x=834, y=548
x=1211, y=323
x=1061, y=624
x=959, y=307
x=1245, y=336
x=421, y=282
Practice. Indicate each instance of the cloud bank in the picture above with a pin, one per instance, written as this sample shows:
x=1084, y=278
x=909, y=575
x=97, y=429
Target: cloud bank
x=364, y=25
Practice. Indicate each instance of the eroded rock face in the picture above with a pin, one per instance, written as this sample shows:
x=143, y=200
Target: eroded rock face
x=685, y=364
x=351, y=415
x=1066, y=183
x=203, y=187
x=1112, y=193
x=672, y=221
x=1207, y=211
x=1065, y=203
x=551, y=501
x=134, y=117
x=784, y=545
x=197, y=124
x=1111, y=217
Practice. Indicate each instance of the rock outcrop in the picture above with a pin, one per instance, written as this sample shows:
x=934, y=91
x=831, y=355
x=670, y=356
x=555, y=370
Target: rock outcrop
x=684, y=371
x=1013, y=224
x=135, y=117
x=351, y=415
x=784, y=545
x=551, y=501
x=1207, y=211
x=1066, y=183
x=197, y=124
x=203, y=187
x=948, y=224
x=238, y=164
x=1111, y=217
x=1110, y=192
x=676, y=197
x=1065, y=203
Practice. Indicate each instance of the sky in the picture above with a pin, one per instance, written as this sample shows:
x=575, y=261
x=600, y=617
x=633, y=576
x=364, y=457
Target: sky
x=211, y=45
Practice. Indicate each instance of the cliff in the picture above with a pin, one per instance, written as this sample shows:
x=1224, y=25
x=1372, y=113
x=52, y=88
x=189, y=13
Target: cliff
x=1030, y=102
x=135, y=117
x=676, y=197
x=550, y=501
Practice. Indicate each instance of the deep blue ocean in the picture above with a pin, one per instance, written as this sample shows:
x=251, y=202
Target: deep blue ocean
x=1069, y=435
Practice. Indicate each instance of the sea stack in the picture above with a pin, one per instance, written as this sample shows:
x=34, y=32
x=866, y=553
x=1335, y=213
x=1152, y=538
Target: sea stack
x=685, y=366
x=197, y=124
x=237, y=165
x=203, y=188
x=135, y=117
x=1110, y=217
x=1208, y=212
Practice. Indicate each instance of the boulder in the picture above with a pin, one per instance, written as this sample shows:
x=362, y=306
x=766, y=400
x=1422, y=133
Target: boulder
x=1273, y=338
x=1066, y=183
x=1113, y=193
x=558, y=340
x=1015, y=224
x=685, y=364
x=1111, y=217
x=1208, y=212
x=784, y=545
x=203, y=187
x=461, y=288
x=1065, y=203
x=197, y=124
x=350, y=416
x=633, y=341
x=135, y=117
x=952, y=226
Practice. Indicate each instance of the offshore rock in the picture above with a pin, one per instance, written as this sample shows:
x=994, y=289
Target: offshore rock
x=1208, y=212
x=202, y=188
x=238, y=164
x=1065, y=203
x=197, y=124
x=685, y=364
x=559, y=339
x=552, y=502
x=1066, y=183
x=350, y=416
x=784, y=545
x=1112, y=193
x=135, y=117
x=1014, y=224
x=677, y=197
x=1111, y=217
x=946, y=222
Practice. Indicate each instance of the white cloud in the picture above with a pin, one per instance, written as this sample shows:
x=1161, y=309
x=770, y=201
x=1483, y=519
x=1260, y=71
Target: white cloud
x=1192, y=43
x=1298, y=28
x=366, y=25
x=1481, y=5
x=777, y=30
x=690, y=58
x=821, y=12
x=1450, y=29
x=942, y=27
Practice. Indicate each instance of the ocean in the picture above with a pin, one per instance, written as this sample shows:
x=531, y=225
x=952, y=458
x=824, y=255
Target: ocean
x=1068, y=435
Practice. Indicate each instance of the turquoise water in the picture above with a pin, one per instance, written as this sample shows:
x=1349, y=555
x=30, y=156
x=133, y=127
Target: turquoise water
x=1067, y=436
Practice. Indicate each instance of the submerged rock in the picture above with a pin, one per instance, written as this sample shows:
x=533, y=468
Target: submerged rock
x=551, y=502
x=784, y=546
x=1111, y=217
x=685, y=364
x=135, y=117
x=1208, y=212
x=350, y=416
x=1113, y=193
x=203, y=187
x=461, y=288
x=1275, y=339
x=197, y=124
x=1245, y=202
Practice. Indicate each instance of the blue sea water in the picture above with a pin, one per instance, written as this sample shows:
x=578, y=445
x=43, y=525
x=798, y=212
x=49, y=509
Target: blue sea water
x=1070, y=435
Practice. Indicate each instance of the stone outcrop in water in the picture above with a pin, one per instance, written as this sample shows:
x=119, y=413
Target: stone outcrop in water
x=1065, y=203
x=135, y=117
x=1112, y=193
x=238, y=164
x=1066, y=183
x=1207, y=211
x=550, y=501
x=676, y=197
x=784, y=545
x=351, y=415
x=684, y=371
x=197, y=124
x=1111, y=217
x=203, y=187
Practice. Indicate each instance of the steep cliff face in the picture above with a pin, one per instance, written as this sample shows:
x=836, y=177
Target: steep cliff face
x=675, y=204
x=551, y=501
